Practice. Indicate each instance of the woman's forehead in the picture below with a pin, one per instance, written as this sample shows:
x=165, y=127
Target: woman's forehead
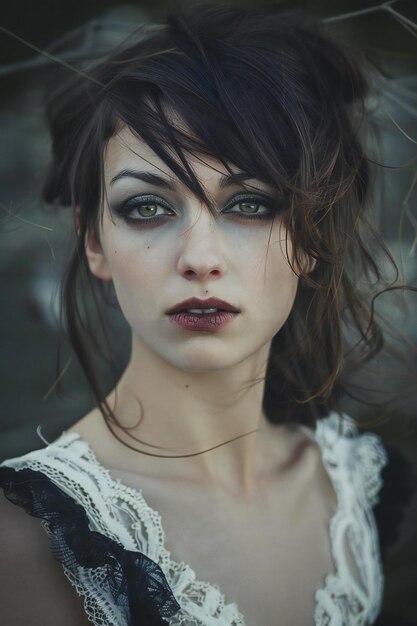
x=126, y=152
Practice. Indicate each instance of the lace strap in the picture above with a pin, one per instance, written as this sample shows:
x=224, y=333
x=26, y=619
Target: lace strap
x=354, y=463
x=121, y=587
x=120, y=513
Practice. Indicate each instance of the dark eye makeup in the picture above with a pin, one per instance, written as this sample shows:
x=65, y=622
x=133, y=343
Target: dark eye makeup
x=145, y=207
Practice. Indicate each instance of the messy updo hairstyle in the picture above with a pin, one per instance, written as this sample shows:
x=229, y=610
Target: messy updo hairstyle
x=269, y=92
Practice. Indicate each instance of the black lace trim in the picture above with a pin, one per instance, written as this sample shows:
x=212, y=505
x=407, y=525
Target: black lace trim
x=136, y=584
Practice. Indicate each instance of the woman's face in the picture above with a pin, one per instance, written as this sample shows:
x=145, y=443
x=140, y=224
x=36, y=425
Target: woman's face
x=183, y=252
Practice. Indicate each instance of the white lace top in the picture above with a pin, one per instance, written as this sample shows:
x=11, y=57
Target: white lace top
x=353, y=461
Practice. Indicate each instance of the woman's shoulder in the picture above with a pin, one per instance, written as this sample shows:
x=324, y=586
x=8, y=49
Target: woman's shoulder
x=368, y=472
x=63, y=472
x=33, y=586
x=87, y=517
x=353, y=459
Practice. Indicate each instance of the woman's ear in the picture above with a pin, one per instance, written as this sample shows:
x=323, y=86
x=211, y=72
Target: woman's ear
x=97, y=261
x=95, y=256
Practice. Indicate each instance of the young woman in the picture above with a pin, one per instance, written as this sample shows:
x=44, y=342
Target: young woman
x=218, y=184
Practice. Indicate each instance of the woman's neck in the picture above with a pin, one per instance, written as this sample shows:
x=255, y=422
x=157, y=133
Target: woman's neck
x=189, y=412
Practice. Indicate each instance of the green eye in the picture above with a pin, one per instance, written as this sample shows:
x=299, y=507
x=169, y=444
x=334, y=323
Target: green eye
x=148, y=210
x=143, y=209
x=249, y=207
x=252, y=207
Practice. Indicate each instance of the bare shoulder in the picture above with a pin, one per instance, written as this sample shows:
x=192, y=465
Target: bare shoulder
x=300, y=463
x=34, y=589
x=315, y=476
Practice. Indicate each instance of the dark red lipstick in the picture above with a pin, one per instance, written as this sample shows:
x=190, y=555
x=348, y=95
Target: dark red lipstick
x=203, y=315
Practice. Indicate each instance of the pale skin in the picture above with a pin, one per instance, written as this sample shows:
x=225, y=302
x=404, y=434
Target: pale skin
x=236, y=513
x=194, y=254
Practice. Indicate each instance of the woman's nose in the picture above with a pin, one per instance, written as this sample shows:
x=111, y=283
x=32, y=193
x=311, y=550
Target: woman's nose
x=202, y=253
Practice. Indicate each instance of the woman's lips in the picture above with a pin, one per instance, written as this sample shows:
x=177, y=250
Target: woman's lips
x=206, y=322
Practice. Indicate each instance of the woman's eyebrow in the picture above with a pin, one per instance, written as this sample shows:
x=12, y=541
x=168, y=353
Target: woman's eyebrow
x=155, y=179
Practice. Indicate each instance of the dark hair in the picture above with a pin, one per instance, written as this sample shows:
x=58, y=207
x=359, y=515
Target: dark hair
x=271, y=92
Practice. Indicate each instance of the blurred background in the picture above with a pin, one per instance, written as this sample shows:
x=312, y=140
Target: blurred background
x=40, y=381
